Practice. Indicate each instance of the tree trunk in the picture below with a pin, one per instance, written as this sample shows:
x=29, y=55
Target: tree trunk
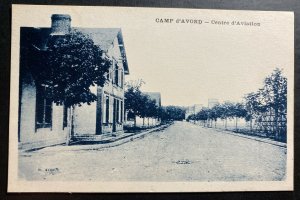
x=236, y=129
x=251, y=125
x=276, y=125
x=134, y=120
x=226, y=124
x=71, y=125
x=148, y=121
x=143, y=121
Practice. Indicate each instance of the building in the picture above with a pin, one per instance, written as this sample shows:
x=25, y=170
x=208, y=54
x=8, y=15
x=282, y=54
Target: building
x=194, y=109
x=212, y=102
x=43, y=123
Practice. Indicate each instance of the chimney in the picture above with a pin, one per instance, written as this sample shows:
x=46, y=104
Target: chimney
x=61, y=24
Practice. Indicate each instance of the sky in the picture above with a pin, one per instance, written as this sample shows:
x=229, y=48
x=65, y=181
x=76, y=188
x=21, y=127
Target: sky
x=190, y=63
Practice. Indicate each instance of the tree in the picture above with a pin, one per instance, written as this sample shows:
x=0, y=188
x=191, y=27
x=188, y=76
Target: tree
x=202, y=115
x=191, y=117
x=74, y=64
x=239, y=111
x=226, y=111
x=173, y=113
x=151, y=109
x=253, y=107
x=274, y=95
x=271, y=98
x=135, y=100
x=143, y=107
x=71, y=65
x=215, y=113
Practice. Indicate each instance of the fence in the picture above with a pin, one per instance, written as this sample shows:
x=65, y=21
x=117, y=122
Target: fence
x=265, y=125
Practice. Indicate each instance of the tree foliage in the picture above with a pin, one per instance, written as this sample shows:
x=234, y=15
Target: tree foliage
x=72, y=64
x=139, y=104
x=272, y=97
x=169, y=113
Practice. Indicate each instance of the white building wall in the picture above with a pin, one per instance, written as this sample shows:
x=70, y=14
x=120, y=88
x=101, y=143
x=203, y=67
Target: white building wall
x=139, y=122
x=85, y=117
x=31, y=138
x=27, y=118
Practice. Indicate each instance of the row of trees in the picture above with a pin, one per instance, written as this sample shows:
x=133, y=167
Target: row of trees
x=138, y=104
x=225, y=111
x=172, y=113
x=267, y=107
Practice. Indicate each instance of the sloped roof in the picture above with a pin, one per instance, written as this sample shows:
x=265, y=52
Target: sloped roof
x=103, y=37
x=155, y=96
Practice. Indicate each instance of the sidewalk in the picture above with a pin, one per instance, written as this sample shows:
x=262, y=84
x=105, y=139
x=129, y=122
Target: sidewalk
x=260, y=139
x=105, y=143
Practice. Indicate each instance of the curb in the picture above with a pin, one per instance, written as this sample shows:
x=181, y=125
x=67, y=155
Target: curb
x=113, y=143
x=264, y=140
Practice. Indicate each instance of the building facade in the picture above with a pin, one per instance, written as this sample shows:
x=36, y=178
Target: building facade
x=212, y=102
x=43, y=123
x=192, y=110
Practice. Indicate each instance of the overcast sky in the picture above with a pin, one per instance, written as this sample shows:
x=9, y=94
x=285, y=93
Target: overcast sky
x=189, y=63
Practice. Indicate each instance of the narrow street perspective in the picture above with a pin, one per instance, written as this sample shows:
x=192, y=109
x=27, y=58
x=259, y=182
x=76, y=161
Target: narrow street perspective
x=181, y=152
x=112, y=102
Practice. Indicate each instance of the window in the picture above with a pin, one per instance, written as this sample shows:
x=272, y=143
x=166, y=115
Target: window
x=121, y=102
x=43, y=108
x=65, y=118
x=116, y=78
x=122, y=79
x=116, y=112
x=107, y=110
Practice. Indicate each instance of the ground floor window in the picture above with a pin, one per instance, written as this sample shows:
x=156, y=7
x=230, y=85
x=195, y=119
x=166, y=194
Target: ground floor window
x=107, y=109
x=118, y=111
x=122, y=114
x=65, y=117
x=43, y=108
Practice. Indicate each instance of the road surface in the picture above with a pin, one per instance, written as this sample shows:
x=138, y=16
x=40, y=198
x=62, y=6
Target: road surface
x=182, y=152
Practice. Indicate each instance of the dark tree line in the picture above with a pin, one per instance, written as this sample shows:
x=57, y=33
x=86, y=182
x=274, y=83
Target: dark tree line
x=172, y=113
x=138, y=104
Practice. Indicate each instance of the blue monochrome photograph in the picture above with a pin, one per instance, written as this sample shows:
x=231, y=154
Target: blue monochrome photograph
x=146, y=99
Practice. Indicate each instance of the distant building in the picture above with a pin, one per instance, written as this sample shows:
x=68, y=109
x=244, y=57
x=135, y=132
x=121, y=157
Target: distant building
x=212, y=102
x=193, y=110
x=43, y=123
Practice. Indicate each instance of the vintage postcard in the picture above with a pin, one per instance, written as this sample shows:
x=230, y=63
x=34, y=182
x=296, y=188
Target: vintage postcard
x=123, y=99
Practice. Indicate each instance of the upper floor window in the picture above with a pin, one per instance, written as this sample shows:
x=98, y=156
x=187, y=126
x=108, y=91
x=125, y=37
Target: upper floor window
x=122, y=78
x=116, y=75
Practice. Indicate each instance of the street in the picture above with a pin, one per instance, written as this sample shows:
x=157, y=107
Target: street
x=181, y=152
